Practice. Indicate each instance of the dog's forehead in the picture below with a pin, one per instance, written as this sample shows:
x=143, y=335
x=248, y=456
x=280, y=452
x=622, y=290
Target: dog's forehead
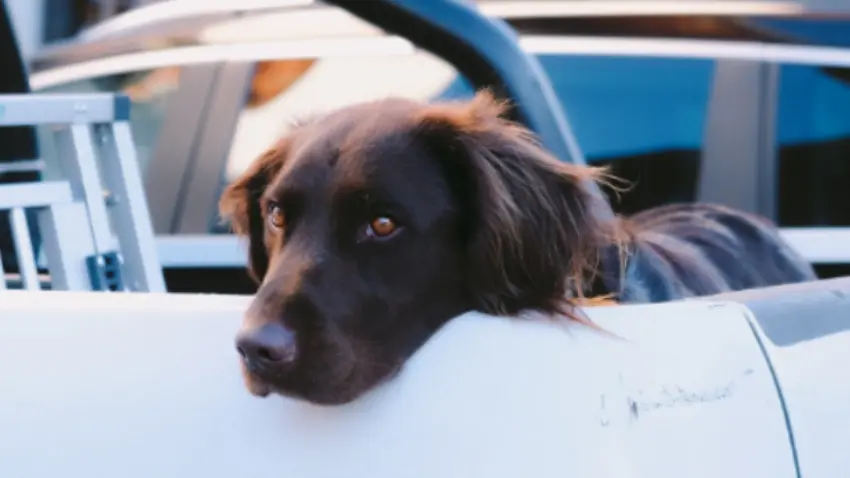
x=355, y=146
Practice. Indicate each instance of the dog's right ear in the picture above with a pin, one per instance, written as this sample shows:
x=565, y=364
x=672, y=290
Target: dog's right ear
x=530, y=227
x=241, y=205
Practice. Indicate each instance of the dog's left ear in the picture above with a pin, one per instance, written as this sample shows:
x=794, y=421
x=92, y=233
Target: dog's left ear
x=532, y=235
x=241, y=205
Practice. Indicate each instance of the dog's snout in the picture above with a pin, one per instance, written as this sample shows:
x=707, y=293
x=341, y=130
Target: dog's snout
x=271, y=346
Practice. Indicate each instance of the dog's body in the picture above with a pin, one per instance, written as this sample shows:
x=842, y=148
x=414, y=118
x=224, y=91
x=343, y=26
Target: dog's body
x=372, y=226
x=686, y=250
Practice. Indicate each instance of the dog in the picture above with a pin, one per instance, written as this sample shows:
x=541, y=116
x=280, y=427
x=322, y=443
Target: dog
x=373, y=225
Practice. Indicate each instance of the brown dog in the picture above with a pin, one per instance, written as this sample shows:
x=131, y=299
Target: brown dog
x=372, y=226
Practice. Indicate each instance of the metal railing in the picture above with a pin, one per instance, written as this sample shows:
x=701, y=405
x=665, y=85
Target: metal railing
x=87, y=244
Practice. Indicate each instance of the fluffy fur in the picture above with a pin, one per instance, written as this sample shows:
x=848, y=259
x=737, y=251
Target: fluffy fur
x=486, y=219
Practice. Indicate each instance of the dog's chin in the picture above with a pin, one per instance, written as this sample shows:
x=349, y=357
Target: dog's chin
x=346, y=385
x=255, y=386
x=319, y=396
x=263, y=389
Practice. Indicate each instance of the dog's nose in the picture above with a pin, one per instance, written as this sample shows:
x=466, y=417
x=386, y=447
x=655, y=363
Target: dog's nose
x=268, y=346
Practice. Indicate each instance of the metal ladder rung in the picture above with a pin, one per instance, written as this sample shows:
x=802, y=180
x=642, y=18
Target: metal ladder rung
x=22, y=166
x=23, y=249
x=15, y=281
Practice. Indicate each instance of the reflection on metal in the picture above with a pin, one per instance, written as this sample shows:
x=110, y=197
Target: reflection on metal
x=287, y=25
x=820, y=245
x=597, y=8
x=386, y=46
x=22, y=166
x=312, y=22
x=392, y=46
x=176, y=10
x=667, y=48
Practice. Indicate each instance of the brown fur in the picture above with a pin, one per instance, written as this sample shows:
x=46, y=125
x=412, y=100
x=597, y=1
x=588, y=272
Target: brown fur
x=272, y=78
x=488, y=221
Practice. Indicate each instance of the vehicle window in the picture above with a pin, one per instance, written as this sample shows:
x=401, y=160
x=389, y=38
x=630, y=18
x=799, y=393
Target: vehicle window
x=642, y=117
x=149, y=92
x=813, y=139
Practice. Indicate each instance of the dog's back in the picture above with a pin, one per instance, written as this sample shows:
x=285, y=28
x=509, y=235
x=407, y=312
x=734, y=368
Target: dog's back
x=686, y=250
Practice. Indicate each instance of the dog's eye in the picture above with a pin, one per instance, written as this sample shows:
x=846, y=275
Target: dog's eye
x=382, y=227
x=275, y=216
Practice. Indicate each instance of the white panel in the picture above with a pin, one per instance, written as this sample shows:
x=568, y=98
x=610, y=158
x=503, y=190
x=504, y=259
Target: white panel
x=144, y=385
x=819, y=245
x=197, y=250
x=815, y=384
x=35, y=194
x=55, y=108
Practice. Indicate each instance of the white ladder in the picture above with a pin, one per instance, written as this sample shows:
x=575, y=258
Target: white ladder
x=87, y=243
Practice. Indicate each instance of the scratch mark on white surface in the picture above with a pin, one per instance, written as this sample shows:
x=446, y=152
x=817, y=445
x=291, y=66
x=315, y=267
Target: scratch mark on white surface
x=670, y=396
x=634, y=411
x=604, y=420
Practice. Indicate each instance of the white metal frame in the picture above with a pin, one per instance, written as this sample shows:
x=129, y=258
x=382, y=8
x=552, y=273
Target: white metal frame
x=15, y=198
x=73, y=217
x=348, y=46
x=176, y=10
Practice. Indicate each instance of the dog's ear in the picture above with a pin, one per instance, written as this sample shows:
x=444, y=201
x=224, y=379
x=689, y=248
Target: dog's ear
x=241, y=204
x=533, y=239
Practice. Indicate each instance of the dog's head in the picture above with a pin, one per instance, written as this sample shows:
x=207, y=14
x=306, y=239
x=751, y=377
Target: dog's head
x=372, y=226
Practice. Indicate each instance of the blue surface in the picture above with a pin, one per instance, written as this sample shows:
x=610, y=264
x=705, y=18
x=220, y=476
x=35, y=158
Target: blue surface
x=122, y=107
x=813, y=31
x=626, y=106
x=812, y=105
